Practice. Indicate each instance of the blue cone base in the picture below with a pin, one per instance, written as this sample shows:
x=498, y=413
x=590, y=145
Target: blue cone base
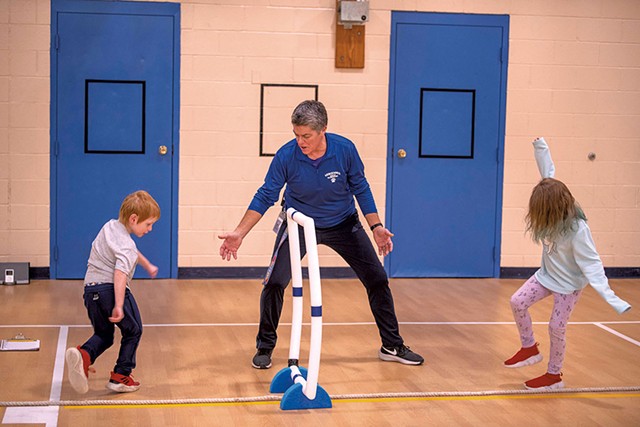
x=282, y=380
x=294, y=399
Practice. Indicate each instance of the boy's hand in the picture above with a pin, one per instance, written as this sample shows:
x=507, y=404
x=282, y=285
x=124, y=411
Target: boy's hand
x=152, y=270
x=116, y=315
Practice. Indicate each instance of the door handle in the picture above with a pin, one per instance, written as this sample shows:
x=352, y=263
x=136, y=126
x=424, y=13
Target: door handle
x=402, y=154
x=163, y=150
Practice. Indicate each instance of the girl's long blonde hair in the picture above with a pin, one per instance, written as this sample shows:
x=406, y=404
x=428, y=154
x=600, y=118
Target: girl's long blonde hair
x=552, y=211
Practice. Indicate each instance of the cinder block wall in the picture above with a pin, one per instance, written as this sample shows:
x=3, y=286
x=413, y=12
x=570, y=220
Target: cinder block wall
x=24, y=131
x=574, y=77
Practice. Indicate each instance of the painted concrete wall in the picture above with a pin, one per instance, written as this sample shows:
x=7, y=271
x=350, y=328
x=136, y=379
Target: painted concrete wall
x=574, y=77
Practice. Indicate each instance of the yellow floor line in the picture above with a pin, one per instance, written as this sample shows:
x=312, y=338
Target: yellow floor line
x=497, y=397
x=172, y=405
x=381, y=399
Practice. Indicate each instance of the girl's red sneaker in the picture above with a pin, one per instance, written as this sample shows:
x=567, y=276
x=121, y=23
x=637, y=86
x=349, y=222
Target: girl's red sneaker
x=524, y=357
x=545, y=382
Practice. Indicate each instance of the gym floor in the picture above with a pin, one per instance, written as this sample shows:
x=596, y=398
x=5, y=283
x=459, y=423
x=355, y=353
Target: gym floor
x=194, y=360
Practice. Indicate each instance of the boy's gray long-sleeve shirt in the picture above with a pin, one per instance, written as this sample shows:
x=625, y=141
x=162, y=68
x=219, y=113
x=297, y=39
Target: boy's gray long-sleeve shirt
x=112, y=249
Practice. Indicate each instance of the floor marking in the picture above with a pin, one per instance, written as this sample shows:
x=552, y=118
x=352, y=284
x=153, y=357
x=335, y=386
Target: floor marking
x=170, y=325
x=495, y=397
x=173, y=405
x=374, y=400
x=47, y=415
x=58, y=367
x=618, y=334
x=574, y=393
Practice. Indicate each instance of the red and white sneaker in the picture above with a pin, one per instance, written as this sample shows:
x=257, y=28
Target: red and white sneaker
x=122, y=383
x=545, y=382
x=524, y=357
x=78, y=367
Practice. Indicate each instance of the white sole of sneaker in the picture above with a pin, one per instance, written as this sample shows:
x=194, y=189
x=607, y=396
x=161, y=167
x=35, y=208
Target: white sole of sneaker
x=261, y=367
x=77, y=378
x=537, y=358
x=555, y=386
x=391, y=358
x=121, y=388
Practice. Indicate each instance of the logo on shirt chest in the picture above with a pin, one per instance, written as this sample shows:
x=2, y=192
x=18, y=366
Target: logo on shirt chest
x=332, y=176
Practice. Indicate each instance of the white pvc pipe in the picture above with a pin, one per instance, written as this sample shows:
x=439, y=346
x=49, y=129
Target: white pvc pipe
x=296, y=282
x=309, y=389
x=297, y=377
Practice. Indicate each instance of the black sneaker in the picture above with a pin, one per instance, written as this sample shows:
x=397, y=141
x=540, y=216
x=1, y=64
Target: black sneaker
x=402, y=354
x=262, y=359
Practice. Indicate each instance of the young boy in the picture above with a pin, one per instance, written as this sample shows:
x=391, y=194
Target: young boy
x=107, y=296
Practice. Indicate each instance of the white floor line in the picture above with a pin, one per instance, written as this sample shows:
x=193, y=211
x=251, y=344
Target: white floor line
x=58, y=367
x=47, y=415
x=179, y=325
x=618, y=334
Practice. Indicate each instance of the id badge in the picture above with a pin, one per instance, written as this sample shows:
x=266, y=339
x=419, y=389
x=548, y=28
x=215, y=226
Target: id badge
x=279, y=221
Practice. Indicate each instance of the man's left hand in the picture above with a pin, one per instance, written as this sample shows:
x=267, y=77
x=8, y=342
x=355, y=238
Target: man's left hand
x=383, y=237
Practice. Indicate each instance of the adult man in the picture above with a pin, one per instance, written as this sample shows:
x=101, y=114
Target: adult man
x=322, y=172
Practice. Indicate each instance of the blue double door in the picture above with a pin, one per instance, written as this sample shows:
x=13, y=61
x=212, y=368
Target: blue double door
x=114, y=125
x=448, y=76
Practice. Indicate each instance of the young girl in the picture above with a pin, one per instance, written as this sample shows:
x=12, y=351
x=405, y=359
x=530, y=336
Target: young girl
x=569, y=263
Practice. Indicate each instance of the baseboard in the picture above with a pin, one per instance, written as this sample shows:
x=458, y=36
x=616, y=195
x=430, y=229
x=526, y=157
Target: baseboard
x=39, y=273
x=611, y=272
x=42, y=273
x=517, y=272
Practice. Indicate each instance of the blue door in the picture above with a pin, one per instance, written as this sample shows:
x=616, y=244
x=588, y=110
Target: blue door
x=114, y=125
x=448, y=76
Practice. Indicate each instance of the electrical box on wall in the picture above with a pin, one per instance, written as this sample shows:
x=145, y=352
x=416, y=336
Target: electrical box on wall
x=14, y=273
x=350, y=33
x=353, y=11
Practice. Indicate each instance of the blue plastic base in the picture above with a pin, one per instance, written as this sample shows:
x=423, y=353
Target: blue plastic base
x=282, y=380
x=294, y=399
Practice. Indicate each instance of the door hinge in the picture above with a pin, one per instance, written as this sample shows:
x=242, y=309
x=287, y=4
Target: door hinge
x=56, y=148
x=56, y=41
x=55, y=253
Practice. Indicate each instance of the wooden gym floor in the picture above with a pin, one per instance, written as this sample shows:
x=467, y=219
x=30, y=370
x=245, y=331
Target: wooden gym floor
x=199, y=338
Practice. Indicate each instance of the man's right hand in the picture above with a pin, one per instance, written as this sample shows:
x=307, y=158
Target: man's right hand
x=230, y=245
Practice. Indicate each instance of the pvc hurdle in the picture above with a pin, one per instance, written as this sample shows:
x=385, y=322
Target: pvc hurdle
x=300, y=385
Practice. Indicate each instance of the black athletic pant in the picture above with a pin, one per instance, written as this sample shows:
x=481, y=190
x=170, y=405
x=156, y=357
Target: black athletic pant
x=351, y=242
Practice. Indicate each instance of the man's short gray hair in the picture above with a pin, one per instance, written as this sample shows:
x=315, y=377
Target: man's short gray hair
x=310, y=113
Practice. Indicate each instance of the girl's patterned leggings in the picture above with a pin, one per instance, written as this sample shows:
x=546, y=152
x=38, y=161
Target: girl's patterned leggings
x=530, y=293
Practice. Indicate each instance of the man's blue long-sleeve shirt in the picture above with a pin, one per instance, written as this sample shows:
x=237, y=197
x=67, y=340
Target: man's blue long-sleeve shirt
x=323, y=191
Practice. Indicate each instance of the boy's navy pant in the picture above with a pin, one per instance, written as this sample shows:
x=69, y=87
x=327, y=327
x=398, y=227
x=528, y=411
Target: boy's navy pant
x=100, y=300
x=351, y=242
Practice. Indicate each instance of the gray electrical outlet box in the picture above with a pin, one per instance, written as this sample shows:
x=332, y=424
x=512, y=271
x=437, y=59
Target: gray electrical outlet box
x=354, y=12
x=14, y=273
